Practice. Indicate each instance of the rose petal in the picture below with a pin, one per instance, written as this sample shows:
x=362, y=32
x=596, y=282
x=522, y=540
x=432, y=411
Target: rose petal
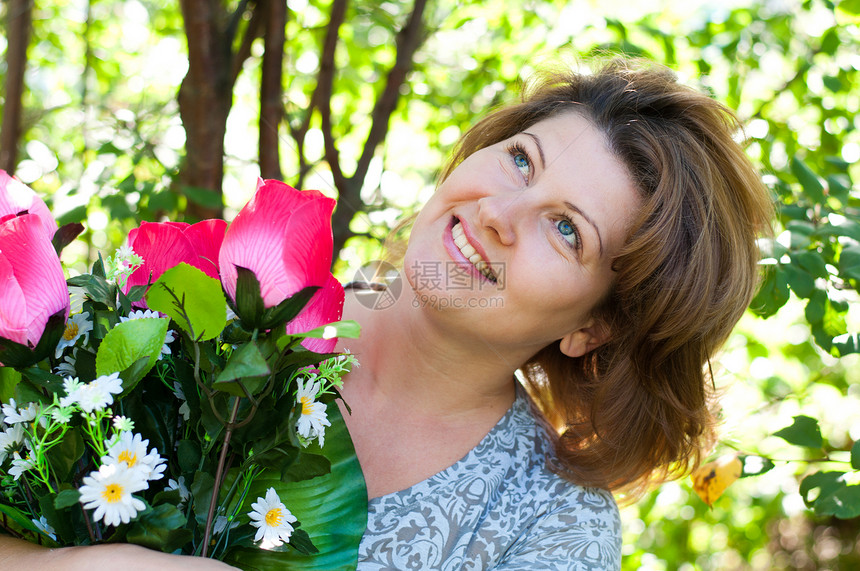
x=17, y=197
x=326, y=306
x=37, y=269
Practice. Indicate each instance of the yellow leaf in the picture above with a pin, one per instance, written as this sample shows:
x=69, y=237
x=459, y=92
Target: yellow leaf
x=711, y=480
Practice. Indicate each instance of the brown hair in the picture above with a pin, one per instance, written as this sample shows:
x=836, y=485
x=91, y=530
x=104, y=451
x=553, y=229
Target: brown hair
x=637, y=409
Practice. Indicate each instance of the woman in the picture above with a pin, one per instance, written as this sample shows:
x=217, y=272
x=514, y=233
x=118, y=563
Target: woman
x=612, y=218
x=598, y=237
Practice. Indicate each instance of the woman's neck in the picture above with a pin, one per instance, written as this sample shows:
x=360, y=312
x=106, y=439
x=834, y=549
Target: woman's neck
x=408, y=360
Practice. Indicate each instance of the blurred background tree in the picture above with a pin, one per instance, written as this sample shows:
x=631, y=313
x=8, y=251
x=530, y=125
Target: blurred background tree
x=119, y=111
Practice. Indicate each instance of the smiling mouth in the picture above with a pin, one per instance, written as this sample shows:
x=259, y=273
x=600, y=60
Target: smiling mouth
x=470, y=253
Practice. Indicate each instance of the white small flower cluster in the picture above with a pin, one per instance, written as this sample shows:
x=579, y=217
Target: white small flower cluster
x=170, y=337
x=127, y=463
x=124, y=262
x=92, y=396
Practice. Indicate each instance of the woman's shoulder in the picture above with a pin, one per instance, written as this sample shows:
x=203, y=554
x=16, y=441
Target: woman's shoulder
x=503, y=503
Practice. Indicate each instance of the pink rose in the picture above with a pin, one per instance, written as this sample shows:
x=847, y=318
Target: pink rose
x=284, y=236
x=17, y=198
x=164, y=245
x=32, y=285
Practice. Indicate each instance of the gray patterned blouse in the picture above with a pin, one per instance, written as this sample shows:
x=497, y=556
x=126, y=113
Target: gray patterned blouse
x=499, y=507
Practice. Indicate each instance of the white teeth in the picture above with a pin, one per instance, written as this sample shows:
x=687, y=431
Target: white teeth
x=470, y=253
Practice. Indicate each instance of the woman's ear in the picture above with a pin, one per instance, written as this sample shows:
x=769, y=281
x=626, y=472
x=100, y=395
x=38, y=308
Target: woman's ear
x=578, y=343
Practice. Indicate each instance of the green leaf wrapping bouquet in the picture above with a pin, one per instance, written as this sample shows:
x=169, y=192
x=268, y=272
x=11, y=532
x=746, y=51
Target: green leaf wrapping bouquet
x=181, y=395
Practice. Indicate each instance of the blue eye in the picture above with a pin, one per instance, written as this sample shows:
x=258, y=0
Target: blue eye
x=521, y=161
x=568, y=230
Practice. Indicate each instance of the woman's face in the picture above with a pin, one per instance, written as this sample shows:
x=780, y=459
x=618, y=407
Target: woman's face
x=516, y=245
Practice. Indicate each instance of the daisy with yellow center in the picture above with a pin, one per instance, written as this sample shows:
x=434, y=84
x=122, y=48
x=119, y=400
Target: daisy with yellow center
x=313, y=418
x=78, y=325
x=272, y=520
x=109, y=491
x=131, y=449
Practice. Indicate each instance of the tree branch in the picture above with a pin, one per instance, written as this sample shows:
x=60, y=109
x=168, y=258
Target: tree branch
x=409, y=39
x=325, y=86
x=252, y=32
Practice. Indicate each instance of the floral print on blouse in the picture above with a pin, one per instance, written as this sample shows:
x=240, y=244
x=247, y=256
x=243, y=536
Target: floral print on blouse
x=499, y=507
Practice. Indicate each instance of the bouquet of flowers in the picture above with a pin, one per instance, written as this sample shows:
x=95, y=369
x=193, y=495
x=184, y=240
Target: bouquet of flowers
x=181, y=395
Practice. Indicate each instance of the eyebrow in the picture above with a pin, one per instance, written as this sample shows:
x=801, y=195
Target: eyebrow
x=536, y=139
x=590, y=221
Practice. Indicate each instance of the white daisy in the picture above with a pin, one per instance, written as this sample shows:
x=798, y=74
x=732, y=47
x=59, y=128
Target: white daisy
x=11, y=440
x=43, y=526
x=77, y=297
x=313, y=419
x=97, y=394
x=109, y=490
x=170, y=337
x=77, y=326
x=20, y=465
x=132, y=449
x=14, y=415
x=273, y=519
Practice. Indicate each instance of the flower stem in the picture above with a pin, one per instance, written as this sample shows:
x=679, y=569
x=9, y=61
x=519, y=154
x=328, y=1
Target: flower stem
x=210, y=517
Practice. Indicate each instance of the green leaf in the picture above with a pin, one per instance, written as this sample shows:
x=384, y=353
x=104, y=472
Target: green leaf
x=192, y=299
x=349, y=329
x=247, y=361
x=189, y=453
x=849, y=263
x=129, y=342
x=9, y=379
x=65, y=235
x=332, y=509
x=846, y=344
x=201, y=495
x=18, y=517
x=249, y=301
x=96, y=287
x=160, y=528
x=811, y=261
x=772, y=294
x=67, y=498
x=800, y=282
x=66, y=454
x=803, y=432
x=812, y=186
x=306, y=467
x=855, y=455
x=287, y=309
x=755, y=465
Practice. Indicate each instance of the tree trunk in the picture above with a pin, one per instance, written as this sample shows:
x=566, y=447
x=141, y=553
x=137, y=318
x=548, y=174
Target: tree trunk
x=205, y=98
x=19, y=17
x=272, y=89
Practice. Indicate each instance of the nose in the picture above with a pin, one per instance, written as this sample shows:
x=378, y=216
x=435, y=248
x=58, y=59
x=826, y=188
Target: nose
x=499, y=212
